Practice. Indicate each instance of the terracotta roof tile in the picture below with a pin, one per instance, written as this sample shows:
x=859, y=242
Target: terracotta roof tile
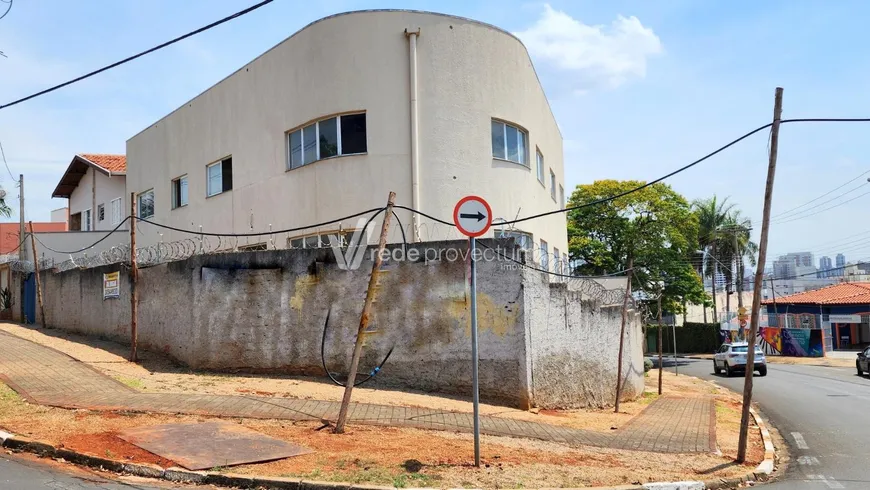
x=849, y=293
x=113, y=163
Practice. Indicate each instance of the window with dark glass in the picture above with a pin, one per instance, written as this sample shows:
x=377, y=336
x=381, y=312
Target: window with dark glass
x=510, y=143
x=334, y=136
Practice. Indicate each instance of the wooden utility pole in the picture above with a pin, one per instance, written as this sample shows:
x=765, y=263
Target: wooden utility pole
x=759, y=276
x=134, y=278
x=622, y=333
x=364, y=318
x=36, y=272
x=661, y=291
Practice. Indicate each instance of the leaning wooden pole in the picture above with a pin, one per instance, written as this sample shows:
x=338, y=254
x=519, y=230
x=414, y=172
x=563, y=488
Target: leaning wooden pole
x=622, y=334
x=364, y=318
x=36, y=272
x=134, y=278
x=759, y=276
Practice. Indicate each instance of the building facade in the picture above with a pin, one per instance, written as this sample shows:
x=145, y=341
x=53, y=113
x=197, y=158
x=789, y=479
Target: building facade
x=95, y=187
x=841, y=263
x=351, y=107
x=825, y=266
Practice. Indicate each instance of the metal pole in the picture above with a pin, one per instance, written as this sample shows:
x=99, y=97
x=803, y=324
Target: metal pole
x=759, y=274
x=36, y=273
x=474, y=354
x=134, y=277
x=660, y=341
x=22, y=254
x=364, y=318
x=622, y=332
x=674, y=333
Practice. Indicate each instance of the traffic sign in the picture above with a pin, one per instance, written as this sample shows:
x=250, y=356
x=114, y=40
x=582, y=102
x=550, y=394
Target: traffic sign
x=472, y=216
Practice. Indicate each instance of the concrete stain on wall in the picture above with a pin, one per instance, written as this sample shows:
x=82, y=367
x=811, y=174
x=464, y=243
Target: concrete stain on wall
x=301, y=288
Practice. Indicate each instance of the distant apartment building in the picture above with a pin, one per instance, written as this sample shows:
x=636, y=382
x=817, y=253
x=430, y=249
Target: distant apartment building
x=825, y=266
x=95, y=187
x=327, y=122
x=841, y=264
x=794, y=266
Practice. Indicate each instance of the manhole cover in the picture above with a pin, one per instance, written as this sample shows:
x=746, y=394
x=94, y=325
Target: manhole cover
x=210, y=444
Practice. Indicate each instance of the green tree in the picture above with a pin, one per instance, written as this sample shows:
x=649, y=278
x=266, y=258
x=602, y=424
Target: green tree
x=654, y=226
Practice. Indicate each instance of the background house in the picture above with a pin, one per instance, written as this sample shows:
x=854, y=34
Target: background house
x=95, y=187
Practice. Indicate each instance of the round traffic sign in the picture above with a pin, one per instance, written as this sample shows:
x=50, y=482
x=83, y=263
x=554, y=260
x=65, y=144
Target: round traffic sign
x=472, y=216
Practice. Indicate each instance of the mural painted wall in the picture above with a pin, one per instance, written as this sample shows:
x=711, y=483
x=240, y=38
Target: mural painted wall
x=774, y=341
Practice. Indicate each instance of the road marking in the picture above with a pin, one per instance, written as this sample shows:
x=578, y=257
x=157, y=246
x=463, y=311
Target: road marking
x=832, y=483
x=808, y=461
x=799, y=440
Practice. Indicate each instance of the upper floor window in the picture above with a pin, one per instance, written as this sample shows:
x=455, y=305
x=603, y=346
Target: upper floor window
x=179, y=192
x=101, y=212
x=522, y=239
x=219, y=177
x=545, y=256
x=561, y=196
x=88, y=226
x=334, y=136
x=145, y=204
x=509, y=143
x=552, y=184
x=116, y=211
x=540, y=159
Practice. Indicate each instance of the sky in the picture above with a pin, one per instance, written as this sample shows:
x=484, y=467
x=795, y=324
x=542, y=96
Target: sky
x=638, y=88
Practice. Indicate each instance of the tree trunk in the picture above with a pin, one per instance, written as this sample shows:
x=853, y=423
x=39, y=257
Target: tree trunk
x=715, y=270
x=705, y=313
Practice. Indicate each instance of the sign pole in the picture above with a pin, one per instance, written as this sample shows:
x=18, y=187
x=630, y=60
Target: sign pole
x=473, y=217
x=674, y=330
x=474, y=353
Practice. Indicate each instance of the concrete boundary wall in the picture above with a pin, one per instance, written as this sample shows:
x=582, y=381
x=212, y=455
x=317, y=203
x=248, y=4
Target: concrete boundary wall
x=540, y=343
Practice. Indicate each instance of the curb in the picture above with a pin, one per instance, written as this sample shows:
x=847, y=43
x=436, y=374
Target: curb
x=181, y=475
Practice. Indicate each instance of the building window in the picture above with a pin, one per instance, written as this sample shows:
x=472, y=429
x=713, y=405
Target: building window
x=561, y=197
x=523, y=240
x=322, y=240
x=256, y=247
x=557, y=261
x=145, y=204
x=545, y=256
x=540, y=160
x=101, y=212
x=330, y=137
x=510, y=143
x=552, y=185
x=219, y=177
x=116, y=211
x=87, y=226
x=565, y=268
x=179, y=192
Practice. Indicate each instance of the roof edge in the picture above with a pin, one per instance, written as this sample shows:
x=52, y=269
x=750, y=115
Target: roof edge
x=367, y=11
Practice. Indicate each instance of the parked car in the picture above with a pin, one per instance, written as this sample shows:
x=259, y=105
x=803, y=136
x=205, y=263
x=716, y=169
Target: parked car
x=731, y=358
x=863, y=362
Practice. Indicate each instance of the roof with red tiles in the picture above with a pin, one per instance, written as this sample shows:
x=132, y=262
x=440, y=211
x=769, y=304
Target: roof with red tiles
x=117, y=164
x=108, y=164
x=847, y=293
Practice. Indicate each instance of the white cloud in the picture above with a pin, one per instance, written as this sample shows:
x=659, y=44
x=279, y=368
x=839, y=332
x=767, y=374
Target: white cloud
x=599, y=56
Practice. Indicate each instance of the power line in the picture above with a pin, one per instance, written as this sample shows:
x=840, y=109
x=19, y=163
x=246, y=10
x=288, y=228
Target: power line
x=107, y=235
x=825, y=194
x=7, y=8
x=822, y=210
x=3, y=154
x=270, y=232
x=138, y=55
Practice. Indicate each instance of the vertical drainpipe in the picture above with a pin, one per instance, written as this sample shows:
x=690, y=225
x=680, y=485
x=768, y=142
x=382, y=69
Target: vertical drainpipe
x=415, y=149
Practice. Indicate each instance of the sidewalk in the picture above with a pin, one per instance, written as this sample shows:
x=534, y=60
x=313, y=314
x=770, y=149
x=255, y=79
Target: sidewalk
x=48, y=377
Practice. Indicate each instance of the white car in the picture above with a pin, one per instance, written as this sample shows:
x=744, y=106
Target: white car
x=731, y=358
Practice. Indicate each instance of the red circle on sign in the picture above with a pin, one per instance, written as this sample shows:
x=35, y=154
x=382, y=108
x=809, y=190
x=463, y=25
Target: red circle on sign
x=458, y=223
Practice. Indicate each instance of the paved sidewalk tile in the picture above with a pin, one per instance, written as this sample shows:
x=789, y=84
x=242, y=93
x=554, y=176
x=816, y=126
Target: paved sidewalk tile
x=45, y=376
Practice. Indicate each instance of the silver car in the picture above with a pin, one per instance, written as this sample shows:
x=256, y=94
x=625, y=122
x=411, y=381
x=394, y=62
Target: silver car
x=731, y=358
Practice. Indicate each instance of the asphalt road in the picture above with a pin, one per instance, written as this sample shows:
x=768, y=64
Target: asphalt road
x=822, y=413
x=19, y=472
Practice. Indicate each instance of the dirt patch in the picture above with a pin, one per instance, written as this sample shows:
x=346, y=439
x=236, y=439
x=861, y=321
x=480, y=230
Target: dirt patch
x=109, y=445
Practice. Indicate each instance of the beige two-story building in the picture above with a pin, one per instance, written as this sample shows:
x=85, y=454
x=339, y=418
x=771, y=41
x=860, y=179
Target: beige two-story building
x=326, y=123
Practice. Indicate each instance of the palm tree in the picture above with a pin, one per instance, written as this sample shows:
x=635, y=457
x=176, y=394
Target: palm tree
x=712, y=214
x=740, y=227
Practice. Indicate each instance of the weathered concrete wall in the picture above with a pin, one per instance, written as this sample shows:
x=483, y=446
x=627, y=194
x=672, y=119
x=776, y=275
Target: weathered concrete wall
x=573, y=346
x=267, y=311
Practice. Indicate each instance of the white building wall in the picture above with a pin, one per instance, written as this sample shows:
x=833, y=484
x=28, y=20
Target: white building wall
x=468, y=74
x=107, y=189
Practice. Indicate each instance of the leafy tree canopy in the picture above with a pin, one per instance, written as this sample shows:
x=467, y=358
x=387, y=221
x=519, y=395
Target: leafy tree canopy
x=655, y=226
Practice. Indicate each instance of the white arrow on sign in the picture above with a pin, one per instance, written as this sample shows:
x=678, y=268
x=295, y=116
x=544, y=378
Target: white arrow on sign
x=472, y=216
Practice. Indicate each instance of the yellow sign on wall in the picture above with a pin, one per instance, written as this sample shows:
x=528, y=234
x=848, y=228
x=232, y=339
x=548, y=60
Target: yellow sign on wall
x=111, y=287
